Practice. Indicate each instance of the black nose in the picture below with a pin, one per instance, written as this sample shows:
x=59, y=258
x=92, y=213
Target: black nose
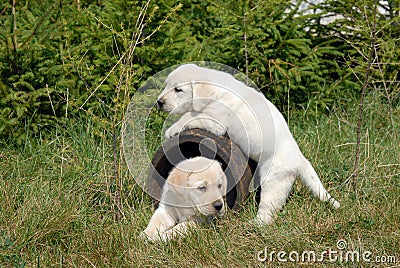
x=160, y=103
x=218, y=205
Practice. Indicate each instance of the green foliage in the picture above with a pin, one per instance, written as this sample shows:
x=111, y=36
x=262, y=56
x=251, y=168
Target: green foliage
x=61, y=60
x=354, y=28
x=268, y=40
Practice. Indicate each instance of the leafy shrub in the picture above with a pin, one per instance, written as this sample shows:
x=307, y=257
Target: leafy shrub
x=59, y=60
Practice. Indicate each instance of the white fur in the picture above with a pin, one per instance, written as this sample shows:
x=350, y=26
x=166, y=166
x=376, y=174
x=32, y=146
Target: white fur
x=192, y=190
x=216, y=101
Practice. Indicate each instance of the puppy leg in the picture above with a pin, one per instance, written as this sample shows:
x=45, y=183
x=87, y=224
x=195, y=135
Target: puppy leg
x=180, y=229
x=159, y=223
x=274, y=192
x=195, y=120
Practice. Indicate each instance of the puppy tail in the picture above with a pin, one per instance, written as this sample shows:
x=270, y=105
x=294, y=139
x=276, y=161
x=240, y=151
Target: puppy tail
x=310, y=178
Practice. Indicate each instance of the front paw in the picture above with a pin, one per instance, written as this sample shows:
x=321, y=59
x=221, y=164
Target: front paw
x=144, y=237
x=148, y=237
x=262, y=219
x=172, y=131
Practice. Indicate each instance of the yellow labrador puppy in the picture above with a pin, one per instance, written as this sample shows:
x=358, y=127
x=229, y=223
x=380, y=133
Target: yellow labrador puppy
x=217, y=102
x=193, y=190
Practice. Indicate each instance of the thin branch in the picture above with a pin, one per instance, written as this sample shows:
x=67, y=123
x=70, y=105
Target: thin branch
x=103, y=80
x=14, y=27
x=116, y=177
x=386, y=91
x=51, y=102
x=245, y=47
x=2, y=11
x=179, y=6
x=127, y=54
x=361, y=105
x=67, y=103
x=40, y=22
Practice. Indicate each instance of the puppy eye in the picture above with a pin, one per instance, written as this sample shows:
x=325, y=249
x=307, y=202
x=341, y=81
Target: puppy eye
x=177, y=89
x=219, y=186
x=202, y=188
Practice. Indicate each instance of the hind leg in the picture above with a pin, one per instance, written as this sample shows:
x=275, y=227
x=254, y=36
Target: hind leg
x=275, y=190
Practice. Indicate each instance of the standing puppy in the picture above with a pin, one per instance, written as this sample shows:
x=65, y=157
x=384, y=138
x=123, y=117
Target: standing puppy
x=193, y=190
x=217, y=102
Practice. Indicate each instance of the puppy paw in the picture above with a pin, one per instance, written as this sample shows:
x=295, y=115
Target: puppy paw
x=143, y=236
x=262, y=219
x=335, y=204
x=172, y=131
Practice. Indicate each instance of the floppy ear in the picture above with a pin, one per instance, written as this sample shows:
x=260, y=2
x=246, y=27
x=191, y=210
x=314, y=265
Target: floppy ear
x=203, y=94
x=175, y=186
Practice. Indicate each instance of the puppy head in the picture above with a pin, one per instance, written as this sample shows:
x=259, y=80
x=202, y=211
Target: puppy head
x=201, y=183
x=176, y=99
x=186, y=90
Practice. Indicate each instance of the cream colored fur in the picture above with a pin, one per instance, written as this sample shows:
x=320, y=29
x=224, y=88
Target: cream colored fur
x=194, y=189
x=217, y=102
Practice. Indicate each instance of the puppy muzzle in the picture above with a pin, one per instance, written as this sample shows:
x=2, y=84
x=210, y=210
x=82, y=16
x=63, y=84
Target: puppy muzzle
x=160, y=104
x=218, y=206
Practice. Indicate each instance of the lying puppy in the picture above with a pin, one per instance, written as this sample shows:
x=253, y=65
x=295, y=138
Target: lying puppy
x=217, y=102
x=193, y=190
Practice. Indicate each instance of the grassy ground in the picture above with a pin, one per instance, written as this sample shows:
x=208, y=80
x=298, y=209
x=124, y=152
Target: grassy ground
x=56, y=204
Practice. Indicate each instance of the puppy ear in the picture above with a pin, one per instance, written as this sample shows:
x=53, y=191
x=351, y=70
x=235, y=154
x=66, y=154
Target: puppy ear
x=177, y=181
x=174, y=190
x=203, y=94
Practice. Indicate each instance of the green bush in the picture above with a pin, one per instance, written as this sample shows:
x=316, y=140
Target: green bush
x=60, y=60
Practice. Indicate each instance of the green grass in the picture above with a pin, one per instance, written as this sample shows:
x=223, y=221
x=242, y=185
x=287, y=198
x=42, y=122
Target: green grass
x=56, y=202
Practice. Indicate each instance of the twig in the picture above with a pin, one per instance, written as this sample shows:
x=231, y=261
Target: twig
x=66, y=106
x=127, y=54
x=116, y=177
x=179, y=6
x=51, y=102
x=361, y=105
x=386, y=91
x=14, y=27
x=245, y=47
x=2, y=12
x=40, y=22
